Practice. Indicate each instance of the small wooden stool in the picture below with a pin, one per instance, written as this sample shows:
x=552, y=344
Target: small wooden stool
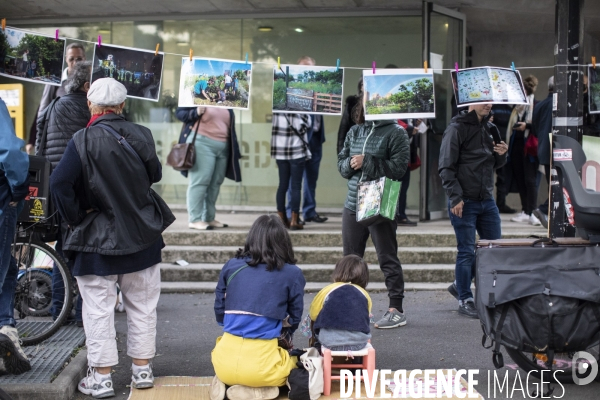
x=368, y=363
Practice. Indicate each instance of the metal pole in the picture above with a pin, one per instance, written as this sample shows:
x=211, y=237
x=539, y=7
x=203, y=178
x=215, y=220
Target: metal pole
x=568, y=99
x=423, y=209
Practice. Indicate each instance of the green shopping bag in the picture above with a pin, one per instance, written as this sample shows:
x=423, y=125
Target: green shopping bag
x=376, y=200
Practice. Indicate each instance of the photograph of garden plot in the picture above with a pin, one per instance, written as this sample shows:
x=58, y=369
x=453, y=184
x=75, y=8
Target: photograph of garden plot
x=308, y=89
x=214, y=82
x=398, y=93
x=31, y=57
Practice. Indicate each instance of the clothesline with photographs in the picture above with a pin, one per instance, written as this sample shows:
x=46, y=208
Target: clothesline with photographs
x=212, y=82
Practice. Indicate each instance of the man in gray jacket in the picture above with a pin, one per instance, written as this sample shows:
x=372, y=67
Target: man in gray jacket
x=471, y=150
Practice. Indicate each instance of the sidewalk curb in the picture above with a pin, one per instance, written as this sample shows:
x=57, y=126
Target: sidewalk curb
x=63, y=387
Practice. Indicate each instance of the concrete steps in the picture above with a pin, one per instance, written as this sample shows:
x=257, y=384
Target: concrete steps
x=307, y=238
x=316, y=273
x=311, y=287
x=310, y=255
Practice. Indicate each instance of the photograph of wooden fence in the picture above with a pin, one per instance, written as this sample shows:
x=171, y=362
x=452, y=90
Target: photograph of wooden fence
x=308, y=89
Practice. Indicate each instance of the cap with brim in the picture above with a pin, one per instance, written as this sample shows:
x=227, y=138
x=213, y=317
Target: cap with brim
x=107, y=92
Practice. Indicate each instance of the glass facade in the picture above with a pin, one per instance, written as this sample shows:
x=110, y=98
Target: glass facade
x=356, y=41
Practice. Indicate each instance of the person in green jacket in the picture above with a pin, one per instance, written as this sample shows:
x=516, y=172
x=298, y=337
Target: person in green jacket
x=386, y=149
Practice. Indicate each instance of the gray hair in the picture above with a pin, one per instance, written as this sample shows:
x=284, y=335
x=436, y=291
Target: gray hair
x=551, y=83
x=80, y=74
x=74, y=46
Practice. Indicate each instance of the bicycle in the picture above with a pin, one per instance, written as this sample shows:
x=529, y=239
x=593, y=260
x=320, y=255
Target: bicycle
x=42, y=272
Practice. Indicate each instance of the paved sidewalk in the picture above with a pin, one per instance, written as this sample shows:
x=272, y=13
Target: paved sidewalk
x=435, y=337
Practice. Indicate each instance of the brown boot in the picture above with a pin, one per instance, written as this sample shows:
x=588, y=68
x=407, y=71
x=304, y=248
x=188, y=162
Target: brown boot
x=294, y=225
x=284, y=218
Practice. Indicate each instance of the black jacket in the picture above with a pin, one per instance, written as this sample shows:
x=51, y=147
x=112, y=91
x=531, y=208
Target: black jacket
x=467, y=158
x=189, y=116
x=541, y=123
x=69, y=114
x=346, y=122
x=127, y=215
x=387, y=153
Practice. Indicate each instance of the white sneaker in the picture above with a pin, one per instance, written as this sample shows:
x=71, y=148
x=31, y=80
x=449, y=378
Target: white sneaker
x=216, y=224
x=98, y=389
x=13, y=357
x=120, y=307
x=241, y=392
x=522, y=217
x=200, y=225
x=217, y=389
x=533, y=220
x=142, y=377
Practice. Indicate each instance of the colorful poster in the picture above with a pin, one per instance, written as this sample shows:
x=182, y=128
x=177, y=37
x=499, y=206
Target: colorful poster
x=306, y=89
x=488, y=85
x=31, y=57
x=213, y=82
x=139, y=70
x=593, y=90
x=398, y=93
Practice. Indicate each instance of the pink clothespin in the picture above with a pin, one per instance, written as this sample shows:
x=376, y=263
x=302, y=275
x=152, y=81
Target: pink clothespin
x=99, y=40
x=56, y=36
x=456, y=67
x=373, y=67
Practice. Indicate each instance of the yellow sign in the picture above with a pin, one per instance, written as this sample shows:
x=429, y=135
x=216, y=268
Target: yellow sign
x=37, y=211
x=12, y=94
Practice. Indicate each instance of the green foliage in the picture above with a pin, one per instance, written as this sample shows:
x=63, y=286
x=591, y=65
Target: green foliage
x=279, y=90
x=239, y=99
x=416, y=96
x=595, y=95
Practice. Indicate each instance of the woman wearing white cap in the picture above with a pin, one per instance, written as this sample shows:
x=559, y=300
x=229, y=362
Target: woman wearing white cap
x=101, y=188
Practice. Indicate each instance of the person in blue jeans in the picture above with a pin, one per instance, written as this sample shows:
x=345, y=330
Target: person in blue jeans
x=290, y=150
x=14, y=186
x=470, y=153
x=315, y=137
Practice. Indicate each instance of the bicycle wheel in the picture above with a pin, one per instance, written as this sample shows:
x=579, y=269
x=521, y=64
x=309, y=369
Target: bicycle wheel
x=563, y=363
x=43, y=296
x=4, y=395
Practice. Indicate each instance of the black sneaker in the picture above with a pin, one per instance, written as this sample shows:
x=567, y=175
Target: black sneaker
x=453, y=290
x=316, y=218
x=468, y=309
x=506, y=210
x=541, y=216
x=405, y=222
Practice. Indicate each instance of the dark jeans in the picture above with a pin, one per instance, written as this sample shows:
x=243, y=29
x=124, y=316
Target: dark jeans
x=58, y=287
x=311, y=175
x=501, y=189
x=290, y=174
x=480, y=217
x=524, y=173
x=355, y=236
x=544, y=206
x=401, y=209
x=8, y=266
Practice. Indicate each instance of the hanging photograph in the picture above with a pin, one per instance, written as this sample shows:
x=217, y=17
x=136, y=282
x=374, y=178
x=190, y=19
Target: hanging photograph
x=213, y=82
x=308, y=89
x=398, y=93
x=31, y=57
x=140, y=71
x=488, y=85
x=593, y=90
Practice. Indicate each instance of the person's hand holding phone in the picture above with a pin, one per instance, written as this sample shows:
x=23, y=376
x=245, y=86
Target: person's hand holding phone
x=520, y=126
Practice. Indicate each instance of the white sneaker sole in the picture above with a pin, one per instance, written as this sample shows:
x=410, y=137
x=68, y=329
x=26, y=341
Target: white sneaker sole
x=142, y=385
x=89, y=392
x=392, y=326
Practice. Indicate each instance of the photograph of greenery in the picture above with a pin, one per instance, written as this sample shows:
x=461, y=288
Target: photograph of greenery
x=214, y=83
x=398, y=93
x=31, y=57
x=307, y=89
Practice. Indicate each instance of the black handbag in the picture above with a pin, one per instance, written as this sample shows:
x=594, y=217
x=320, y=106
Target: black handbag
x=183, y=155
